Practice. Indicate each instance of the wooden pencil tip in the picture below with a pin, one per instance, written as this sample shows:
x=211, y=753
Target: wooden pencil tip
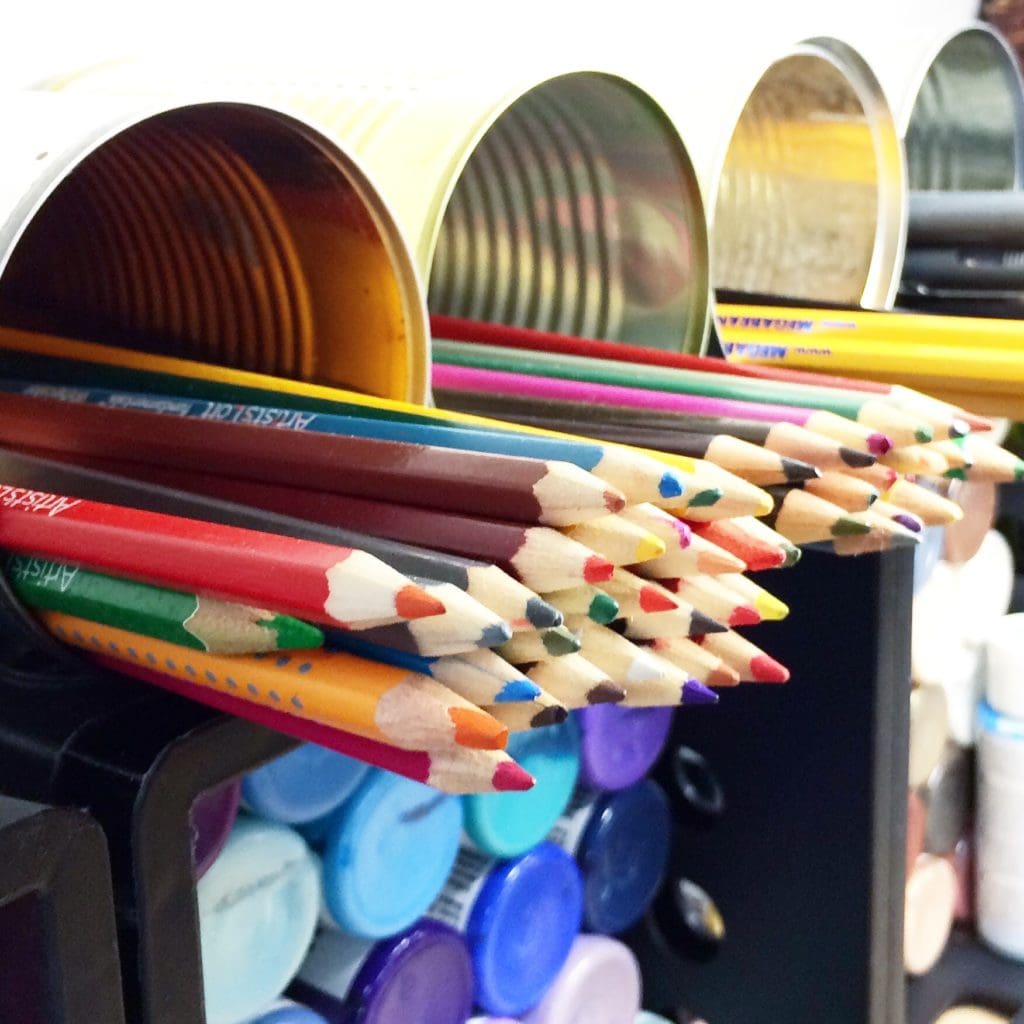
x=614, y=501
x=879, y=444
x=597, y=569
x=509, y=777
x=723, y=676
x=413, y=603
x=744, y=615
x=767, y=670
x=654, y=600
x=764, y=506
x=475, y=728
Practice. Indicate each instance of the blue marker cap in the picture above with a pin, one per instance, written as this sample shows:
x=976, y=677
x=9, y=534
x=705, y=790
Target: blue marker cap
x=387, y=853
x=258, y=908
x=522, y=927
x=304, y=784
x=284, y=1011
x=508, y=824
x=622, y=855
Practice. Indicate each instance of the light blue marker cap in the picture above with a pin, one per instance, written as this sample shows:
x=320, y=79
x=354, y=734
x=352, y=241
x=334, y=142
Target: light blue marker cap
x=284, y=1011
x=388, y=851
x=306, y=783
x=622, y=855
x=508, y=824
x=522, y=926
x=258, y=908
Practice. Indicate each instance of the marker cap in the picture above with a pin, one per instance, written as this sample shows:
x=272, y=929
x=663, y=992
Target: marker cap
x=306, y=783
x=619, y=744
x=210, y=819
x=508, y=824
x=599, y=984
x=258, y=907
x=622, y=855
x=421, y=976
x=522, y=927
x=387, y=853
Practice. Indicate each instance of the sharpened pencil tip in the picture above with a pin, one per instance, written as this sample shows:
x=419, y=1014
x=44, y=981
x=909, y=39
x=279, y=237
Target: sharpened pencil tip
x=605, y=693
x=509, y=777
x=559, y=642
x=767, y=670
x=701, y=624
x=294, y=634
x=541, y=614
x=597, y=569
x=515, y=691
x=705, y=497
x=770, y=607
x=764, y=506
x=554, y=715
x=844, y=526
x=494, y=635
x=744, y=615
x=795, y=470
x=924, y=434
x=648, y=547
x=879, y=444
x=697, y=693
x=960, y=474
x=723, y=676
x=855, y=459
x=670, y=486
x=413, y=603
x=911, y=523
x=958, y=427
x=614, y=501
x=654, y=600
x=475, y=728
x=603, y=609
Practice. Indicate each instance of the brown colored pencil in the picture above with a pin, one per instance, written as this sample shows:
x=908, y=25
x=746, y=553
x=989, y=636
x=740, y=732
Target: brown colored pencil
x=526, y=715
x=682, y=621
x=479, y=483
x=573, y=681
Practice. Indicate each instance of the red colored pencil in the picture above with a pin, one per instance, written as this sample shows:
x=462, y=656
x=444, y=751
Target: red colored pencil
x=458, y=770
x=332, y=585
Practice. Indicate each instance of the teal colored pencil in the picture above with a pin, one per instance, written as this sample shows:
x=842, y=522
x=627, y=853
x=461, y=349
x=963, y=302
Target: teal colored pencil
x=201, y=623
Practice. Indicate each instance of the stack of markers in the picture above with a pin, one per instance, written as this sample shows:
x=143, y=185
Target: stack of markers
x=364, y=896
x=465, y=577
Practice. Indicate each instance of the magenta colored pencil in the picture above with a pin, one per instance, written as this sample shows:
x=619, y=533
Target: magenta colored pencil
x=464, y=378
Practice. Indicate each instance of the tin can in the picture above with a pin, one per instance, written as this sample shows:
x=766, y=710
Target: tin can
x=811, y=194
x=219, y=230
x=964, y=117
x=565, y=203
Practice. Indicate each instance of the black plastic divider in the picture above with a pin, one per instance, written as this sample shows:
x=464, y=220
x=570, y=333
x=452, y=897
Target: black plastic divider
x=58, y=943
x=136, y=758
x=806, y=863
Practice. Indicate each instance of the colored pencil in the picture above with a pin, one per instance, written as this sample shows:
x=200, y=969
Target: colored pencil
x=682, y=621
x=769, y=607
x=523, y=717
x=739, y=498
x=519, y=337
x=619, y=540
x=898, y=515
x=879, y=476
x=989, y=462
x=931, y=508
x=638, y=476
x=512, y=488
x=489, y=585
x=649, y=681
x=739, y=540
x=597, y=604
x=843, y=490
x=202, y=623
x=714, y=599
x=874, y=542
x=901, y=426
x=481, y=677
x=753, y=665
x=759, y=528
x=957, y=452
x=804, y=519
x=549, y=643
x=686, y=551
x=696, y=661
x=783, y=438
x=915, y=459
x=377, y=701
x=465, y=625
x=333, y=585
x=573, y=681
x=454, y=769
x=640, y=596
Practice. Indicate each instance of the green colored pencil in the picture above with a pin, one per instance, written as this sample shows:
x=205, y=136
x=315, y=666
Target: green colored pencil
x=201, y=623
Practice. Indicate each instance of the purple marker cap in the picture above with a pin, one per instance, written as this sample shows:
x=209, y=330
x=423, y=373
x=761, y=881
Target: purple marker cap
x=619, y=744
x=424, y=975
x=599, y=983
x=210, y=819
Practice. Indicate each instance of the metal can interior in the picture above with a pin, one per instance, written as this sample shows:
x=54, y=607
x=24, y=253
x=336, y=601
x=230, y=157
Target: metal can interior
x=224, y=232
x=811, y=195
x=965, y=126
x=577, y=210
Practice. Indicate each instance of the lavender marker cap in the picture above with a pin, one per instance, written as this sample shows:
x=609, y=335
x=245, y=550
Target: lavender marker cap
x=210, y=819
x=619, y=744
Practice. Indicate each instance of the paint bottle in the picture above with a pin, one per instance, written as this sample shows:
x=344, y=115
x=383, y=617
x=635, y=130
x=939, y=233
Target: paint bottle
x=599, y=983
x=387, y=852
x=620, y=841
x=519, y=917
x=421, y=976
x=258, y=907
x=508, y=824
x=619, y=745
x=306, y=783
x=210, y=821
x=284, y=1011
